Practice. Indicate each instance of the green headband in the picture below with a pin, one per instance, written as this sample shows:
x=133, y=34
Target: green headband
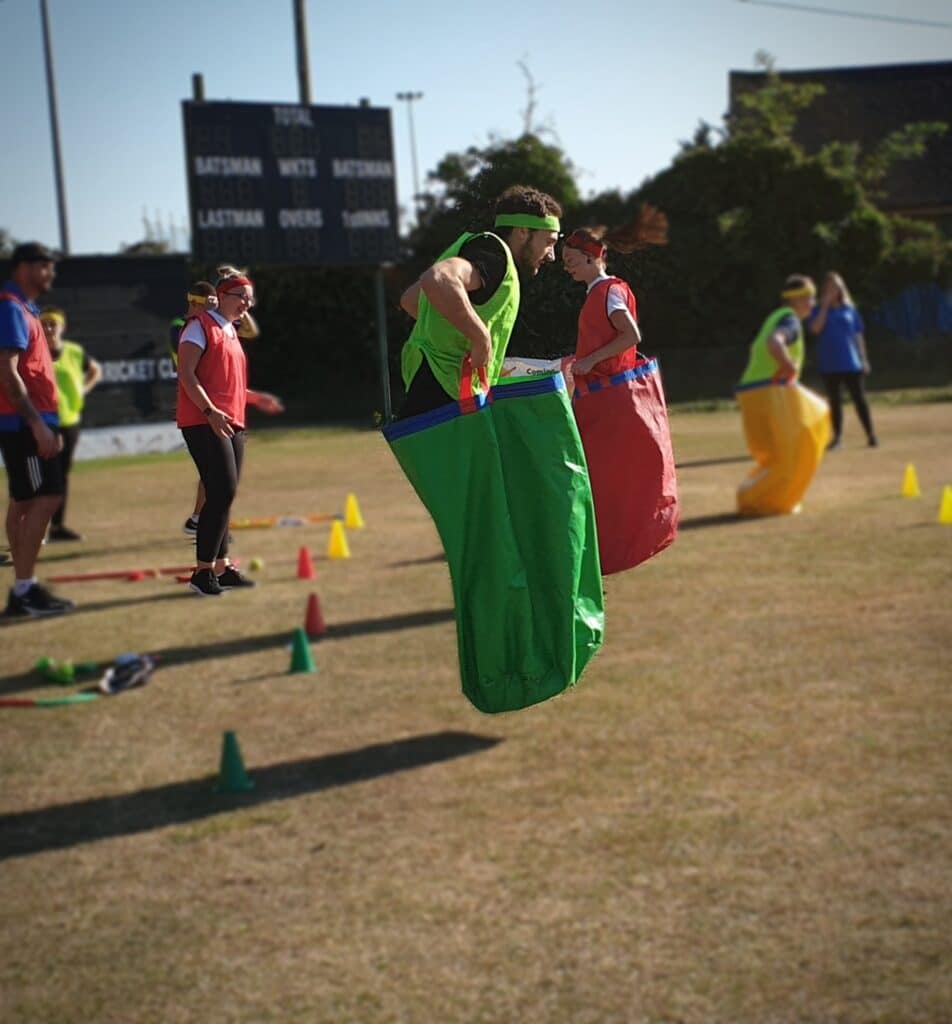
x=527, y=220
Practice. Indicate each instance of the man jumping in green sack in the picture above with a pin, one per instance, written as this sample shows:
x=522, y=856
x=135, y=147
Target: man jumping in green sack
x=467, y=302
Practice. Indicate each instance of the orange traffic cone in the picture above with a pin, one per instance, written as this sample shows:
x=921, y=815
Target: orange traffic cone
x=305, y=568
x=314, y=624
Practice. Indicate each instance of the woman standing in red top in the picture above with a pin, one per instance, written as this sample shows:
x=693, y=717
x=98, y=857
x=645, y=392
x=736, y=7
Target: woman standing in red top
x=212, y=395
x=608, y=324
x=619, y=402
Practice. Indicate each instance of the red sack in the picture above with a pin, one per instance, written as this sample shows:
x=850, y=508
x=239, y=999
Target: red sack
x=623, y=421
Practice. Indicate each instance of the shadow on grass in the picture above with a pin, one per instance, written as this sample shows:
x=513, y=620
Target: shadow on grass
x=720, y=519
x=440, y=556
x=237, y=645
x=183, y=543
x=92, y=606
x=337, y=630
x=85, y=821
x=726, y=460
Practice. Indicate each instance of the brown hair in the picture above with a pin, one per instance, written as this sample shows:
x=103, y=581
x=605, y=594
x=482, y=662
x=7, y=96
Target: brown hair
x=837, y=279
x=649, y=227
x=525, y=199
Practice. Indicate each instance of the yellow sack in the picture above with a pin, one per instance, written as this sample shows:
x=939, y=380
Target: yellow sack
x=787, y=427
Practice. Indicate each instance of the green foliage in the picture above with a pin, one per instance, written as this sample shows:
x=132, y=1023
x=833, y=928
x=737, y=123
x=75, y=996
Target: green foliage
x=466, y=184
x=908, y=143
x=769, y=113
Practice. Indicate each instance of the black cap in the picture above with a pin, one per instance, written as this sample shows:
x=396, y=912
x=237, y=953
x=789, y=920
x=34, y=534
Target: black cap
x=32, y=252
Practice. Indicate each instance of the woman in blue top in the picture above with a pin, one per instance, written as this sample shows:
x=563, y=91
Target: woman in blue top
x=841, y=356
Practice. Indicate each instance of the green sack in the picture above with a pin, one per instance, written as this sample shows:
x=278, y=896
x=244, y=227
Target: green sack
x=505, y=481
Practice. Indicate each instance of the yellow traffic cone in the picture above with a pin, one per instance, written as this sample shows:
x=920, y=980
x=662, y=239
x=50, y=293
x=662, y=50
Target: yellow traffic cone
x=945, y=506
x=337, y=546
x=910, y=482
x=353, y=520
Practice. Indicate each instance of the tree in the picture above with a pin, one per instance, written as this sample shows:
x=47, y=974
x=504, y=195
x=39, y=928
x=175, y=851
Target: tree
x=464, y=185
x=748, y=206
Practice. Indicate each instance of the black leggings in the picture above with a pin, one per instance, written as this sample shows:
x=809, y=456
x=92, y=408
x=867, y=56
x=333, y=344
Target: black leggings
x=70, y=436
x=218, y=460
x=834, y=389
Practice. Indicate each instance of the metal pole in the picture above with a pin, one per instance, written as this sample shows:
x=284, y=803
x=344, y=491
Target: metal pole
x=382, y=344
x=300, y=35
x=198, y=87
x=409, y=97
x=54, y=128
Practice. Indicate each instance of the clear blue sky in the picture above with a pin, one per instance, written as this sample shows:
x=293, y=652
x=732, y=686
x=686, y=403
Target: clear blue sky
x=123, y=66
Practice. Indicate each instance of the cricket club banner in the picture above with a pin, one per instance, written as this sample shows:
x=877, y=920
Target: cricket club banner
x=119, y=309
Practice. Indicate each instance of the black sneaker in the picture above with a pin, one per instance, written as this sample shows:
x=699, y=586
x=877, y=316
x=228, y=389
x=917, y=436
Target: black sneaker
x=204, y=584
x=126, y=672
x=190, y=528
x=231, y=578
x=35, y=602
x=872, y=441
x=64, y=533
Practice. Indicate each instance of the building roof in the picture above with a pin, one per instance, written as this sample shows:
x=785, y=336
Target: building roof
x=865, y=104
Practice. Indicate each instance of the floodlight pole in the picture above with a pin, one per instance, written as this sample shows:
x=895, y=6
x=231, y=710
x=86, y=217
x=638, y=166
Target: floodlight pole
x=54, y=128
x=409, y=98
x=303, y=68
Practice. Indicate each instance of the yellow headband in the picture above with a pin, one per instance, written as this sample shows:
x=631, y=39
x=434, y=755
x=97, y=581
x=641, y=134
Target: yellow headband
x=798, y=293
x=198, y=300
x=53, y=315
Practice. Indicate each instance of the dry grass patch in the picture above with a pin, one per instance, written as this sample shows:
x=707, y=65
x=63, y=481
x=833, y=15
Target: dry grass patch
x=740, y=814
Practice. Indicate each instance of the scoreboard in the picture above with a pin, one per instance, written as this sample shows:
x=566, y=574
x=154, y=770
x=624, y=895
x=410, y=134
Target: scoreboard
x=278, y=183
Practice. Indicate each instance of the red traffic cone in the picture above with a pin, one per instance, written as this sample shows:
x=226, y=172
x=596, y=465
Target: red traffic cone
x=305, y=568
x=314, y=624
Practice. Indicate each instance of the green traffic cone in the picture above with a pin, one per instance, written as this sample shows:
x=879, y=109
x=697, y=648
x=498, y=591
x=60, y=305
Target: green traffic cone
x=301, y=660
x=232, y=777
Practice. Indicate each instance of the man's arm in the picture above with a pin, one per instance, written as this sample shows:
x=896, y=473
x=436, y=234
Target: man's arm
x=447, y=285
x=410, y=300
x=48, y=442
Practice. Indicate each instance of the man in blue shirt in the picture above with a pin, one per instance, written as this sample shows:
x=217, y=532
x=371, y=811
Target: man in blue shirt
x=29, y=442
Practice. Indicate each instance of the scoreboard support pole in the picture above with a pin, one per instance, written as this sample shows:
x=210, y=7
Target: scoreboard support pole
x=382, y=344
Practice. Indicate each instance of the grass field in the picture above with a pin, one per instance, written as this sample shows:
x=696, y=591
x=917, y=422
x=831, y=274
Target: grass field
x=741, y=814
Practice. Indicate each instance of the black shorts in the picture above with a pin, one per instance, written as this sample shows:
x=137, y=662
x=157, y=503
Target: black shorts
x=29, y=476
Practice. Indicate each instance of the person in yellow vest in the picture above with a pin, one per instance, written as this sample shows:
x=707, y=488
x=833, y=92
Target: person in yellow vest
x=786, y=426
x=777, y=351
x=77, y=373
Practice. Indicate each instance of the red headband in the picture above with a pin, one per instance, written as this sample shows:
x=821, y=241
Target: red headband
x=231, y=284
x=586, y=245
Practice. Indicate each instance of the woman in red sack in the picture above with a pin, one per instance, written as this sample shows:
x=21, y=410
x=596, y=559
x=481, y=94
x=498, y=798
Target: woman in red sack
x=619, y=401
